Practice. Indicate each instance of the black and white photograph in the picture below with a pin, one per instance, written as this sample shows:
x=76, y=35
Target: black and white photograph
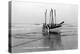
x=42, y=26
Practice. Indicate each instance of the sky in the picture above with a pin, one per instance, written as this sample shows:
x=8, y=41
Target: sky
x=33, y=12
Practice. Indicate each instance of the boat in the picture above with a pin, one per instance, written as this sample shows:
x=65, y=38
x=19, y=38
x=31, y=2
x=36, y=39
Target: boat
x=52, y=26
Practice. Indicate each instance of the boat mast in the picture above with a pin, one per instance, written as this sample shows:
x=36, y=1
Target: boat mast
x=55, y=15
x=52, y=20
x=45, y=16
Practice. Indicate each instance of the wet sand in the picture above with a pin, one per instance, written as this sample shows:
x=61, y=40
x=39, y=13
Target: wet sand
x=35, y=40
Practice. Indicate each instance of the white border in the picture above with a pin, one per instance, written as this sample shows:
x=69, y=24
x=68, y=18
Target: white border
x=4, y=27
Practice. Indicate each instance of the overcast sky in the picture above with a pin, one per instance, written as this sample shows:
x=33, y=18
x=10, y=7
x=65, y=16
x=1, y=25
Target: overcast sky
x=28, y=12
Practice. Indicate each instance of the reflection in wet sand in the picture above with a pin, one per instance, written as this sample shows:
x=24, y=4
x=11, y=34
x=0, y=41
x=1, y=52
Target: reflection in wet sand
x=49, y=41
x=53, y=41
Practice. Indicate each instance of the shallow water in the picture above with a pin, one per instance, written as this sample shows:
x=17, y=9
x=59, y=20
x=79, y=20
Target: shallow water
x=28, y=38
